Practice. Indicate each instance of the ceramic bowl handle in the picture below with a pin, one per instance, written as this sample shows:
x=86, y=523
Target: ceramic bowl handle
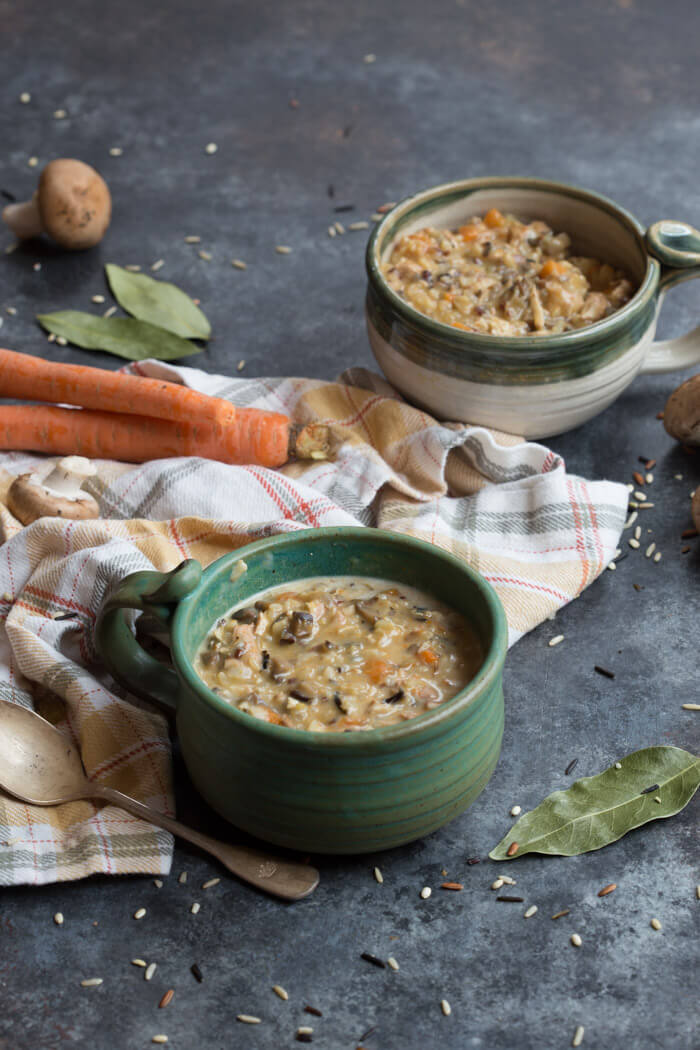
x=157, y=594
x=677, y=246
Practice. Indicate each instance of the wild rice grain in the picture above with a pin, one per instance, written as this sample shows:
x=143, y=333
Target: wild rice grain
x=209, y=883
x=576, y=940
x=508, y=899
x=655, y=924
x=456, y=886
x=314, y=1011
x=195, y=907
x=562, y=913
x=91, y=982
x=139, y=913
x=555, y=641
x=378, y=876
x=393, y=965
x=368, y=957
x=697, y=892
x=196, y=973
x=58, y=918
x=425, y=892
x=532, y=910
x=445, y=1007
x=512, y=849
x=150, y=970
x=571, y=767
x=247, y=1019
x=578, y=1036
x=280, y=991
x=167, y=998
x=610, y=888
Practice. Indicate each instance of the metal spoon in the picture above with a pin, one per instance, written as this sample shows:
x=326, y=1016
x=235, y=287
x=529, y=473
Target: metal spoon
x=38, y=765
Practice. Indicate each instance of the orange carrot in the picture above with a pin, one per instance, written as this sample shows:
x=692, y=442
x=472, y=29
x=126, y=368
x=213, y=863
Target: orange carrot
x=552, y=266
x=377, y=669
x=429, y=657
x=262, y=438
x=493, y=217
x=29, y=378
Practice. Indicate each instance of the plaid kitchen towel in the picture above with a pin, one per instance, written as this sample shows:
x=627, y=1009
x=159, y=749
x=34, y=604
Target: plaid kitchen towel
x=508, y=507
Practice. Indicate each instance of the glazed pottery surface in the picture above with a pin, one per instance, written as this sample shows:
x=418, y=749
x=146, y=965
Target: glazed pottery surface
x=531, y=385
x=322, y=792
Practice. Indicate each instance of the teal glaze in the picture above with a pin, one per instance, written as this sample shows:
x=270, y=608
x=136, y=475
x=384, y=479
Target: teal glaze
x=524, y=360
x=323, y=792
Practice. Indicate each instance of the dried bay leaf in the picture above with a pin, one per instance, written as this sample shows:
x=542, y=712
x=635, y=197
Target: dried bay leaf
x=123, y=336
x=157, y=302
x=598, y=810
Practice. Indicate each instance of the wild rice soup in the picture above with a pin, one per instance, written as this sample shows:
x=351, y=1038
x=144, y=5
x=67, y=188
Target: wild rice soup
x=504, y=277
x=339, y=654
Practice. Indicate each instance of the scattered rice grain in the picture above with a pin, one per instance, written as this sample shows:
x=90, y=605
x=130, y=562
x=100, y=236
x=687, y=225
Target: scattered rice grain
x=116, y=151
x=33, y=161
x=150, y=970
x=139, y=962
x=158, y=883
x=576, y=940
x=25, y=97
x=496, y=885
x=378, y=876
x=210, y=148
x=247, y=1019
x=157, y=265
x=280, y=991
x=445, y=1007
x=515, y=811
x=650, y=550
x=59, y=114
x=91, y=982
x=192, y=238
x=282, y=249
x=159, y=1038
x=425, y=892
x=691, y=707
x=97, y=298
x=610, y=888
x=634, y=544
x=182, y=877
x=209, y=883
x=529, y=912
x=578, y=1036
x=195, y=907
x=339, y=228
x=241, y=365
x=555, y=641
x=657, y=557
x=238, y=264
x=655, y=924
x=368, y=59
x=139, y=913
x=110, y=312
x=167, y=998
x=206, y=256
x=393, y=965
x=361, y=225
x=58, y=918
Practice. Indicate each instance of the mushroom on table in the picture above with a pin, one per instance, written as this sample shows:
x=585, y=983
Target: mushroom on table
x=58, y=495
x=72, y=204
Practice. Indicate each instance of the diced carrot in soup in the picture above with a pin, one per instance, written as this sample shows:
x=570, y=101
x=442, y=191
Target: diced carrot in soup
x=553, y=267
x=493, y=217
x=429, y=656
x=377, y=669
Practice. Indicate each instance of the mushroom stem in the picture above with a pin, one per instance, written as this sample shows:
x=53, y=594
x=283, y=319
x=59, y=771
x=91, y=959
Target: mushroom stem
x=68, y=476
x=24, y=219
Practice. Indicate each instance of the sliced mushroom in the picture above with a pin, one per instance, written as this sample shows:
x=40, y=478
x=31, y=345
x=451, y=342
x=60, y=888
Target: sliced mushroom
x=247, y=615
x=301, y=624
x=58, y=495
x=277, y=670
x=367, y=615
x=72, y=204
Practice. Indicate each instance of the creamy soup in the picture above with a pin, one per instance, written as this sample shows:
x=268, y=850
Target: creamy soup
x=504, y=277
x=339, y=654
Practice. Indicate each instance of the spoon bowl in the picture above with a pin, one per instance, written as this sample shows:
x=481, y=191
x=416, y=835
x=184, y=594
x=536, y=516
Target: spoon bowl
x=40, y=766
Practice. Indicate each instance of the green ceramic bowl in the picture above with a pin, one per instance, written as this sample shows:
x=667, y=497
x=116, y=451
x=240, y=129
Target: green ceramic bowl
x=321, y=792
x=535, y=385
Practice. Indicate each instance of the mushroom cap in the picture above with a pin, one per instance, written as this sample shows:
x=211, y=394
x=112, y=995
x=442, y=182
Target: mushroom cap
x=74, y=203
x=682, y=412
x=29, y=500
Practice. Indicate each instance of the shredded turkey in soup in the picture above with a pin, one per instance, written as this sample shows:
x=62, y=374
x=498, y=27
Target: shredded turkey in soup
x=339, y=654
x=500, y=276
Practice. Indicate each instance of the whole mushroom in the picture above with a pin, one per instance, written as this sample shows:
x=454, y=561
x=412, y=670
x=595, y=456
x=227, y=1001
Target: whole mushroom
x=682, y=412
x=58, y=495
x=72, y=204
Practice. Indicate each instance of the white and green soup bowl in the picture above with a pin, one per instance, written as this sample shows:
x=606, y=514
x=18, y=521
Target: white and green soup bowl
x=535, y=385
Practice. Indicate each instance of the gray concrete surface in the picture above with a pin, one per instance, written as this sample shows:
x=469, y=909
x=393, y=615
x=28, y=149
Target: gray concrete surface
x=603, y=95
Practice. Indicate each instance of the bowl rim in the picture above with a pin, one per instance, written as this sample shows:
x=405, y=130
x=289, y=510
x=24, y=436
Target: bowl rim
x=370, y=739
x=486, y=340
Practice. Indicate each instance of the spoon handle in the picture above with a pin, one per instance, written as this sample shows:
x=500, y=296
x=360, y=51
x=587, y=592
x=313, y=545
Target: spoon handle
x=288, y=879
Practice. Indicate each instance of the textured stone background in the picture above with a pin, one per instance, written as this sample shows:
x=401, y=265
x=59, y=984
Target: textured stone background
x=603, y=95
